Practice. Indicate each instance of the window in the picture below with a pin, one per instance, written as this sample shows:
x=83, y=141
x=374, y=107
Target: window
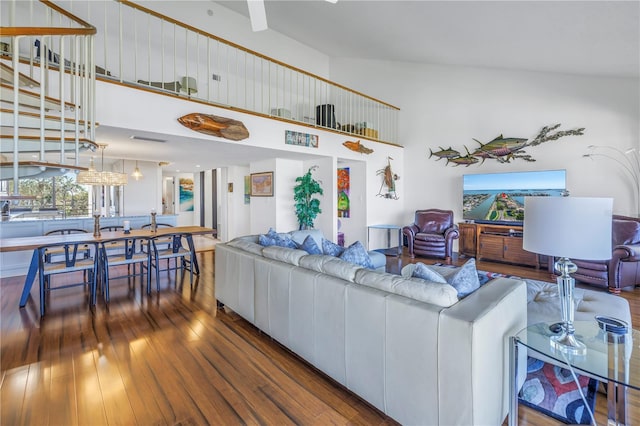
x=52, y=197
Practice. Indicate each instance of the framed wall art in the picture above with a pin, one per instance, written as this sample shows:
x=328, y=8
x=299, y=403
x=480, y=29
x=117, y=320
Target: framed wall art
x=300, y=139
x=262, y=184
x=186, y=194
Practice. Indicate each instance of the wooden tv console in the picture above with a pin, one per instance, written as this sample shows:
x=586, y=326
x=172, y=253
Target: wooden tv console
x=502, y=243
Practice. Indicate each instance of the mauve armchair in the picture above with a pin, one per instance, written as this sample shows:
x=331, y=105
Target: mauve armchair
x=432, y=234
x=623, y=269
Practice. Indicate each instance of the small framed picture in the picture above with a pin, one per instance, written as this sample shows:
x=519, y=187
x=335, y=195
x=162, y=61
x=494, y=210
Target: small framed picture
x=300, y=139
x=262, y=184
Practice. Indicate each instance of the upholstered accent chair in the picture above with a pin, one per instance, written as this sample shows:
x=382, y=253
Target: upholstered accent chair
x=623, y=269
x=432, y=234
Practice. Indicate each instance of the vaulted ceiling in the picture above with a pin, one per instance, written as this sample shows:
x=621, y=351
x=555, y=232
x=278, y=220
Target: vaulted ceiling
x=577, y=37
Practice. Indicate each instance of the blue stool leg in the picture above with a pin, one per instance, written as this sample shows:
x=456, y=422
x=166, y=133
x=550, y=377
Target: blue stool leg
x=31, y=276
x=42, y=289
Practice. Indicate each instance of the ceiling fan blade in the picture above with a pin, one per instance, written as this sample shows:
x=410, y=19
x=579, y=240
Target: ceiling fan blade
x=257, y=14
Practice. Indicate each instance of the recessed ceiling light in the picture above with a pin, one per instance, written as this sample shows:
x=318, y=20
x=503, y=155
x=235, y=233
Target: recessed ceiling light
x=177, y=171
x=198, y=165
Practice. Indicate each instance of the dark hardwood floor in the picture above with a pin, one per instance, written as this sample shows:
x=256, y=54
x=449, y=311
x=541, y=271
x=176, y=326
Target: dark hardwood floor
x=173, y=358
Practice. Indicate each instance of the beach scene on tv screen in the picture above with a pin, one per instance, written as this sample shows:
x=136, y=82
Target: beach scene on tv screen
x=499, y=197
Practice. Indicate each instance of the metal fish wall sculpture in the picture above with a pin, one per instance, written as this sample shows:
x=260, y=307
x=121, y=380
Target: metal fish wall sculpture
x=357, y=147
x=503, y=149
x=444, y=153
x=389, y=180
x=215, y=126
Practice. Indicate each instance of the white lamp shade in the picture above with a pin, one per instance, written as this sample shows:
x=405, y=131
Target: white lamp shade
x=573, y=227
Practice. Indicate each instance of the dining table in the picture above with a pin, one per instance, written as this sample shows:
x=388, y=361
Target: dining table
x=35, y=242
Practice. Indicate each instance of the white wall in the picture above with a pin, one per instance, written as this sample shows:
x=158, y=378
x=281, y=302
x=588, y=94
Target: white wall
x=275, y=212
x=443, y=106
x=140, y=196
x=263, y=209
x=237, y=213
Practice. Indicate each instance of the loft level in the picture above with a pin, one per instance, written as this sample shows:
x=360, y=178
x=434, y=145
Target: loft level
x=242, y=79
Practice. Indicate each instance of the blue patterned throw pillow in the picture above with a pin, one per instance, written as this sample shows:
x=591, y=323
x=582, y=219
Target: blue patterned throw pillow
x=272, y=238
x=465, y=280
x=423, y=271
x=286, y=241
x=357, y=254
x=310, y=246
x=330, y=248
x=266, y=241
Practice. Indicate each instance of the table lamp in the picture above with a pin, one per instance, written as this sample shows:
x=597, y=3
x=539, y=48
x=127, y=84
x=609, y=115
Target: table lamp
x=568, y=227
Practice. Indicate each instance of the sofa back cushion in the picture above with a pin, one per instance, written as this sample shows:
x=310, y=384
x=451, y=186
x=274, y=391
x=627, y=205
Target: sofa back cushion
x=440, y=294
x=247, y=244
x=284, y=254
x=330, y=265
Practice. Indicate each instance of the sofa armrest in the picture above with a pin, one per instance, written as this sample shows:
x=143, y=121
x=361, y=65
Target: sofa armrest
x=452, y=233
x=410, y=230
x=627, y=253
x=474, y=352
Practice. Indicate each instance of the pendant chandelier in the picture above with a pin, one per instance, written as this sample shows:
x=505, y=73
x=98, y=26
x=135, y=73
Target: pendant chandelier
x=137, y=174
x=101, y=178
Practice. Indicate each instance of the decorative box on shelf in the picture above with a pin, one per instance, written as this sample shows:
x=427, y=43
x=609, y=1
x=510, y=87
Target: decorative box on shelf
x=281, y=112
x=369, y=133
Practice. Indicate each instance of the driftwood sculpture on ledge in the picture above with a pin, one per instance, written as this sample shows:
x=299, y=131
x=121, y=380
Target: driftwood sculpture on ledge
x=215, y=126
x=357, y=147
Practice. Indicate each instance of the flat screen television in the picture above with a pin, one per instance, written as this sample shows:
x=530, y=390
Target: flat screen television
x=499, y=197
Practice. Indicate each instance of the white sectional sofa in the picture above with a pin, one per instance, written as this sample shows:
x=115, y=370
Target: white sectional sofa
x=405, y=345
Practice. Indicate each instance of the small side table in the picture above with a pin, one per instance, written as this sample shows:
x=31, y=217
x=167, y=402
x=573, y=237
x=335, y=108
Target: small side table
x=388, y=228
x=610, y=357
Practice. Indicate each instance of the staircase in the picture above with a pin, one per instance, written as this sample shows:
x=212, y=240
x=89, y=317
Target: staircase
x=47, y=88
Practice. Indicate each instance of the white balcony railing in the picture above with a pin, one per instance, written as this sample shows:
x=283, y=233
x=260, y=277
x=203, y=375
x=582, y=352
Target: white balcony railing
x=135, y=45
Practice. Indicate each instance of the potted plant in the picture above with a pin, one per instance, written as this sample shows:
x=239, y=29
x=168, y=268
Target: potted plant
x=307, y=207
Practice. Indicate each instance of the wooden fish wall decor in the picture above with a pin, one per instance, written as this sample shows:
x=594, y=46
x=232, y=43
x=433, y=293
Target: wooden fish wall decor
x=502, y=149
x=389, y=181
x=215, y=126
x=357, y=147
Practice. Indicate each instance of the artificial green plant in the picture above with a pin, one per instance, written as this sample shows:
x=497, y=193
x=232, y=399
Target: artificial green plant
x=307, y=207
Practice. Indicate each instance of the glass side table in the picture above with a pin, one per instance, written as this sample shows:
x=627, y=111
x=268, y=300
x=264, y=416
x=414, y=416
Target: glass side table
x=611, y=358
x=388, y=228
